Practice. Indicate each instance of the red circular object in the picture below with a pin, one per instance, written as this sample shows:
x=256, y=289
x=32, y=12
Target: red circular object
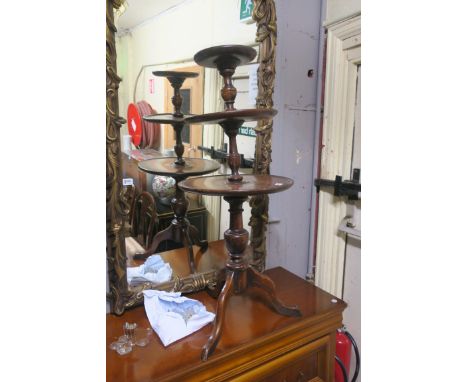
x=134, y=124
x=150, y=131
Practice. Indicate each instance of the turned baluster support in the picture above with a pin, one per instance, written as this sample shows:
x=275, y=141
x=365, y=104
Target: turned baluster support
x=240, y=275
x=228, y=92
x=177, y=99
x=231, y=128
x=176, y=79
x=179, y=203
x=176, y=84
x=179, y=146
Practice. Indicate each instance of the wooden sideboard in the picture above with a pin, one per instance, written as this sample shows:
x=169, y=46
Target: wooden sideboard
x=257, y=344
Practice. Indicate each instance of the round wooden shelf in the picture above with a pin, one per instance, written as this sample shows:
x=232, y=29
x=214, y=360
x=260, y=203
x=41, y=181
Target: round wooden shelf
x=250, y=185
x=166, y=167
x=244, y=115
x=167, y=118
x=174, y=74
x=225, y=56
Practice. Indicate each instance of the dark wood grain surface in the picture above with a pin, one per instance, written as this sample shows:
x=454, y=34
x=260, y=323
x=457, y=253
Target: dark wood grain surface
x=166, y=166
x=210, y=57
x=250, y=325
x=245, y=115
x=174, y=74
x=167, y=118
x=250, y=185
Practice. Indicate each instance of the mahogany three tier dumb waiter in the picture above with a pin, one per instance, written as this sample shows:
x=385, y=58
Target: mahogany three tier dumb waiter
x=180, y=230
x=235, y=188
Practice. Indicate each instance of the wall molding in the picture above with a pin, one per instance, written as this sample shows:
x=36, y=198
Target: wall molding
x=329, y=23
x=343, y=57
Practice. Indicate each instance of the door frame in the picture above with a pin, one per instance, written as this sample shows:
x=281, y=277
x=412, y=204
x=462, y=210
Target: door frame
x=343, y=57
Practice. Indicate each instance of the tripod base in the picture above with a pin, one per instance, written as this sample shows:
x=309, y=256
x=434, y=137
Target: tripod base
x=179, y=232
x=237, y=281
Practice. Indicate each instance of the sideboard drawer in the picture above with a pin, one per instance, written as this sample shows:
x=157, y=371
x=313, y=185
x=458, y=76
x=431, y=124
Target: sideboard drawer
x=309, y=363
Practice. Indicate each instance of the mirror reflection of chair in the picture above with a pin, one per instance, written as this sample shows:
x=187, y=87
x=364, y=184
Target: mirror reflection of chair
x=144, y=224
x=130, y=193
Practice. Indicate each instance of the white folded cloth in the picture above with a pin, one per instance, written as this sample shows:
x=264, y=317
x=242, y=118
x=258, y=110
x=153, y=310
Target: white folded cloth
x=154, y=269
x=174, y=317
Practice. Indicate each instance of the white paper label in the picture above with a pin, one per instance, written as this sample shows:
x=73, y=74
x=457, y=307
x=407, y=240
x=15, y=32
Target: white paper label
x=128, y=181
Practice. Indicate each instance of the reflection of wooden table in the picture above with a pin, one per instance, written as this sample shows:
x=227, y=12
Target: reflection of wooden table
x=262, y=346
x=180, y=230
x=196, y=212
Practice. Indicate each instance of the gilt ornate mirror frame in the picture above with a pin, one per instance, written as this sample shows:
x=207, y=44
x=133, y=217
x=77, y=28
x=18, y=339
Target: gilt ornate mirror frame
x=119, y=296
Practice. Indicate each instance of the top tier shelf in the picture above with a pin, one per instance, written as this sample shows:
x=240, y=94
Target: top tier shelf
x=250, y=185
x=225, y=56
x=174, y=74
x=176, y=79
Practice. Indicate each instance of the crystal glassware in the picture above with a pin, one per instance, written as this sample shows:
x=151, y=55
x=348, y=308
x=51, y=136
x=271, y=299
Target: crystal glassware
x=142, y=336
x=133, y=336
x=129, y=331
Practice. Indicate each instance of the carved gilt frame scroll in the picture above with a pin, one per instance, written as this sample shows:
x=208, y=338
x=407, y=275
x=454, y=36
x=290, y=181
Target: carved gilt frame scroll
x=119, y=295
x=116, y=210
x=264, y=14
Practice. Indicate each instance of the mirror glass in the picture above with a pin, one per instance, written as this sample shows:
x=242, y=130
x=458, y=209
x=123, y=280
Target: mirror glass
x=164, y=35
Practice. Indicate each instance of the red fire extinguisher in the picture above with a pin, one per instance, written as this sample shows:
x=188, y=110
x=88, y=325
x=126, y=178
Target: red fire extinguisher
x=344, y=342
x=343, y=352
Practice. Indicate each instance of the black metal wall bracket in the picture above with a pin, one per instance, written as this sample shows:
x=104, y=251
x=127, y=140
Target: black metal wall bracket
x=350, y=188
x=223, y=154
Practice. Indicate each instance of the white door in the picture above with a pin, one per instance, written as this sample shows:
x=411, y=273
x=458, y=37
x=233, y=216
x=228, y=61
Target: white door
x=338, y=263
x=352, y=271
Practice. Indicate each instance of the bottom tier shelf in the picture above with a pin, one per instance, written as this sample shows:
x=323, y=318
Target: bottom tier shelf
x=250, y=185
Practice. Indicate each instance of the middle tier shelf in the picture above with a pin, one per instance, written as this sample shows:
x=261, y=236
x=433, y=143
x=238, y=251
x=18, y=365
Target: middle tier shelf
x=167, y=118
x=245, y=115
x=250, y=185
x=167, y=167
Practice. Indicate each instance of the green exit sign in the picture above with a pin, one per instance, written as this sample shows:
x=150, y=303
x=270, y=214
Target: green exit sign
x=246, y=8
x=247, y=131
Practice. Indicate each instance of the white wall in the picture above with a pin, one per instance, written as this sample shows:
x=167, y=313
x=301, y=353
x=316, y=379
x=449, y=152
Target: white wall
x=293, y=143
x=339, y=9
